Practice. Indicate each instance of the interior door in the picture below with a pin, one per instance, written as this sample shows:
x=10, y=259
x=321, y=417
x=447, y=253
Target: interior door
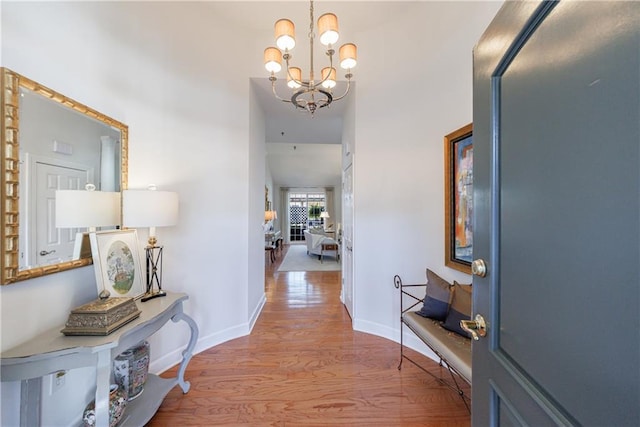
x=347, y=239
x=53, y=245
x=557, y=197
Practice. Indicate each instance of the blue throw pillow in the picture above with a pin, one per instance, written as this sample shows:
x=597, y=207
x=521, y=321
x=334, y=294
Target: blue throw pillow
x=460, y=309
x=437, y=299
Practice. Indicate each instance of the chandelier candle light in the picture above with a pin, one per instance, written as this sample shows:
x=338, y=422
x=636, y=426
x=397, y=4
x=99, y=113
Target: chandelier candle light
x=309, y=95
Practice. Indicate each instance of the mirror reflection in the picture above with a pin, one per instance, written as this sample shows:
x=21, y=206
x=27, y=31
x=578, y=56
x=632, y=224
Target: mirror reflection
x=62, y=145
x=64, y=151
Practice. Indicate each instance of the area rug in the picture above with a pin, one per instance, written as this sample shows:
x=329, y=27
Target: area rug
x=298, y=260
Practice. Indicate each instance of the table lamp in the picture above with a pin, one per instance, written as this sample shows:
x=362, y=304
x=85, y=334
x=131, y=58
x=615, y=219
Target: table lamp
x=151, y=208
x=324, y=215
x=86, y=209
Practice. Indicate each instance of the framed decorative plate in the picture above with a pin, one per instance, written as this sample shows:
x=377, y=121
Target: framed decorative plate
x=118, y=263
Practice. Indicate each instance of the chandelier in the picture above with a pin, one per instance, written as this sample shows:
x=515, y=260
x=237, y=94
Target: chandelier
x=309, y=95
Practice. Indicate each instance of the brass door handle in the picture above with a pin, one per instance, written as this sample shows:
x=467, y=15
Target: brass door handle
x=477, y=328
x=479, y=268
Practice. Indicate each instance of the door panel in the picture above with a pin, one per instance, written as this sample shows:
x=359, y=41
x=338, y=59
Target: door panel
x=557, y=196
x=347, y=240
x=51, y=244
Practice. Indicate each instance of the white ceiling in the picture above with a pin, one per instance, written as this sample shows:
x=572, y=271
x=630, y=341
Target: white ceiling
x=286, y=123
x=305, y=165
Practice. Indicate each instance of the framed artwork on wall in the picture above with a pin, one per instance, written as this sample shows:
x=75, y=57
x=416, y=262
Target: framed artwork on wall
x=458, y=195
x=117, y=262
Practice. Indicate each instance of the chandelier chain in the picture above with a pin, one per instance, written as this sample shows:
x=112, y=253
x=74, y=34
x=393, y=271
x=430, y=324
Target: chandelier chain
x=311, y=35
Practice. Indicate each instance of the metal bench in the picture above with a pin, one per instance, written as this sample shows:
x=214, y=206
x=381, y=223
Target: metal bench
x=453, y=350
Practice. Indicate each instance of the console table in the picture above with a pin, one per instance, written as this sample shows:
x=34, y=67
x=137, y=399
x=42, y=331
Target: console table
x=52, y=351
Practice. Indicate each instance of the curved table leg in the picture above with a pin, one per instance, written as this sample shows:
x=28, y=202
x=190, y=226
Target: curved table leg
x=188, y=352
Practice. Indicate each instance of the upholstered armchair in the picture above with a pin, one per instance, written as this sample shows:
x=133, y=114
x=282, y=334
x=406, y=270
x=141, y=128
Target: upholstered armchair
x=315, y=241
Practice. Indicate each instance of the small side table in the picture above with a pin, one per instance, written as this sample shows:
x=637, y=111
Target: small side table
x=330, y=233
x=329, y=247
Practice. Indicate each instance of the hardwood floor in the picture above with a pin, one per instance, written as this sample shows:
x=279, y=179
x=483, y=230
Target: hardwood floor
x=304, y=365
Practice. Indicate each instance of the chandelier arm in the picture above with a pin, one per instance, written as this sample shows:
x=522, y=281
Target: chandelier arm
x=330, y=53
x=273, y=89
x=345, y=92
x=300, y=82
x=307, y=84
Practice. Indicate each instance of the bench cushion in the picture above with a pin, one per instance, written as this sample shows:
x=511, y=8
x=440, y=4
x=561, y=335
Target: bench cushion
x=453, y=348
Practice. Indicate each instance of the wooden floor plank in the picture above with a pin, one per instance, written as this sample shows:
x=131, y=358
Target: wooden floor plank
x=303, y=365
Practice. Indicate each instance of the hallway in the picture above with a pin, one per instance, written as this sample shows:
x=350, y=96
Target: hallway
x=304, y=365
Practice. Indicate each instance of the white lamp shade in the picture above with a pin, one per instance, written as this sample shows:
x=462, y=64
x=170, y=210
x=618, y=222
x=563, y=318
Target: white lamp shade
x=324, y=214
x=81, y=208
x=329, y=73
x=348, y=56
x=294, y=74
x=149, y=208
x=272, y=59
x=328, y=29
x=285, y=34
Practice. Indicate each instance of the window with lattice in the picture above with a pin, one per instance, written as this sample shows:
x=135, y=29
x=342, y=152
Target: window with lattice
x=304, y=212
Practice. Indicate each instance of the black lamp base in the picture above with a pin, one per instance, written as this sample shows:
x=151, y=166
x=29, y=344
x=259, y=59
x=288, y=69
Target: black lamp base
x=154, y=273
x=152, y=295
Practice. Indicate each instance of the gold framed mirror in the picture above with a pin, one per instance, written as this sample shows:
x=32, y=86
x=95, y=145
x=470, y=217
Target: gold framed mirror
x=49, y=142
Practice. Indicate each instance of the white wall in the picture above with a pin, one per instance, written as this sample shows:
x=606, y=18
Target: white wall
x=417, y=88
x=258, y=176
x=188, y=132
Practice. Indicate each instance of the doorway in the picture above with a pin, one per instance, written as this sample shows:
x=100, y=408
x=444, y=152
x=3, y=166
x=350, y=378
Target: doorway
x=44, y=243
x=305, y=208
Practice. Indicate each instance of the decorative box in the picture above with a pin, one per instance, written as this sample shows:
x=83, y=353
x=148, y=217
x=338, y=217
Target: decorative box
x=101, y=317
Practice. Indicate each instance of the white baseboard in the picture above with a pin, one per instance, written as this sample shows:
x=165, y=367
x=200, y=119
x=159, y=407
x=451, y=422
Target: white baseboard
x=256, y=313
x=384, y=331
x=173, y=358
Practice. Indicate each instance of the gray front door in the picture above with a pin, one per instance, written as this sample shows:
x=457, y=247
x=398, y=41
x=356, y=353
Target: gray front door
x=557, y=199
